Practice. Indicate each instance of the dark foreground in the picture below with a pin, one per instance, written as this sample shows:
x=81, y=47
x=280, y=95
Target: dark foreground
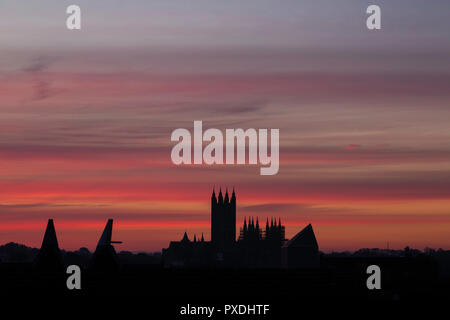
x=165, y=291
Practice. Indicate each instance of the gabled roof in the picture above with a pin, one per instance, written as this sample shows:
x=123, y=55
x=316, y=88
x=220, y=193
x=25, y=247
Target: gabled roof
x=304, y=238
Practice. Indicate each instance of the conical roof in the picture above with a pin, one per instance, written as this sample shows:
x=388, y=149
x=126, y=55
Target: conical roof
x=304, y=238
x=49, y=257
x=50, y=240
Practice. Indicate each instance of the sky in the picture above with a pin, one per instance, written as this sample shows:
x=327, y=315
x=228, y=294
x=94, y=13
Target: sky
x=86, y=118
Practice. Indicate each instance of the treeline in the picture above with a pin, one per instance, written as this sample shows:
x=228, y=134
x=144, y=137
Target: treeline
x=18, y=253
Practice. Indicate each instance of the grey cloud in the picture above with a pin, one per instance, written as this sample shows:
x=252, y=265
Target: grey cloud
x=41, y=85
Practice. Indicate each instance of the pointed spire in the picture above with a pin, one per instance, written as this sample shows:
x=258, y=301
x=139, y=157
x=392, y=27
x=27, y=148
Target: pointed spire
x=257, y=226
x=50, y=240
x=220, y=196
x=233, y=197
x=195, y=238
x=245, y=226
x=271, y=223
x=185, y=238
x=49, y=256
x=258, y=231
x=227, y=200
x=213, y=197
x=279, y=222
x=203, y=239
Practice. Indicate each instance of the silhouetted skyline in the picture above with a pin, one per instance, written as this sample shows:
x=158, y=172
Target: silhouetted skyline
x=86, y=118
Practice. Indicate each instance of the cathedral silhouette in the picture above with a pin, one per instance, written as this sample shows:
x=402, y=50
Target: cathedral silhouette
x=254, y=248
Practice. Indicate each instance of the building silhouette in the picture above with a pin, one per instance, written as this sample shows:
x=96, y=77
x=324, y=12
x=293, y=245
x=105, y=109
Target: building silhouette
x=49, y=257
x=302, y=250
x=223, y=221
x=187, y=253
x=251, y=232
x=258, y=247
x=255, y=248
x=105, y=256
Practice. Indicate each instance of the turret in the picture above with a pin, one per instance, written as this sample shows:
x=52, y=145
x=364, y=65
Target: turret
x=214, y=218
x=220, y=196
x=258, y=234
x=233, y=197
x=233, y=214
x=227, y=200
x=213, y=197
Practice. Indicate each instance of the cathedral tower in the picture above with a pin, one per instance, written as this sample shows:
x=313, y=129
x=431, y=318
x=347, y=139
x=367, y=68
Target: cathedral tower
x=223, y=220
